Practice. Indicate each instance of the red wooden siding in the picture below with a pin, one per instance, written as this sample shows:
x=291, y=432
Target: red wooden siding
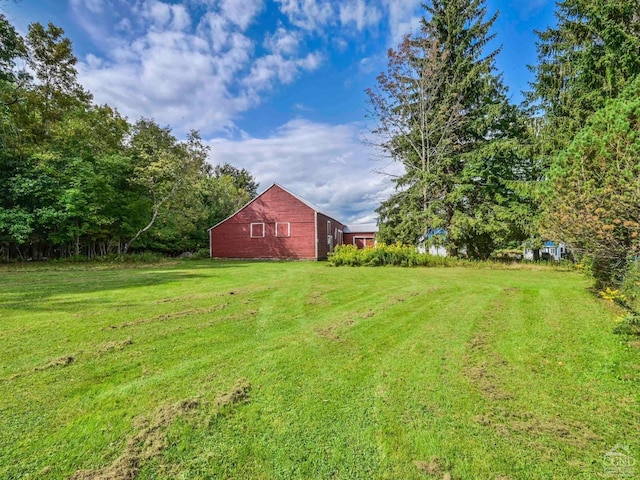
x=323, y=233
x=360, y=240
x=232, y=238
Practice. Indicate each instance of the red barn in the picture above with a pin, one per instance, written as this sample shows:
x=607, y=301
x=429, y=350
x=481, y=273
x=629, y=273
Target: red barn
x=361, y=235
x=276, y=224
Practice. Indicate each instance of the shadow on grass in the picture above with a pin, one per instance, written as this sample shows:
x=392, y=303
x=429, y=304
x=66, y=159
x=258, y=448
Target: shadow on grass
x=36, y=293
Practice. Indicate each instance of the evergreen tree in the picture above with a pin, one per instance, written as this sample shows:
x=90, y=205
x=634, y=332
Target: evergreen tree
x=442, y=111
x=589, y=57
x=584, y=62
x=594, y=199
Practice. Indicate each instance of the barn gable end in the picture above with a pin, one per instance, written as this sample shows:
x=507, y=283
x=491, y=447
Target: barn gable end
x=275, y=224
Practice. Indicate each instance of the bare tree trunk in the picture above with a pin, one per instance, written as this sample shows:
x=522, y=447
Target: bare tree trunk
x=140, y=232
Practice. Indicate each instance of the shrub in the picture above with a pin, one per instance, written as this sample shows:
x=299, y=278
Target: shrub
x=613, y=296
x=201, y=253
x=383, y=254
x=631, y=285
x=628, y=324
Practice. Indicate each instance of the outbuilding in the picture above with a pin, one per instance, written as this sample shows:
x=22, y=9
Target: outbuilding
x=277, y=224
x=362, y=236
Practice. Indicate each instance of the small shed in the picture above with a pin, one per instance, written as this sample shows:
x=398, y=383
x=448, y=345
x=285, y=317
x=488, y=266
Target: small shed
x=277, y=224
x=550, y=251
x=362, y=236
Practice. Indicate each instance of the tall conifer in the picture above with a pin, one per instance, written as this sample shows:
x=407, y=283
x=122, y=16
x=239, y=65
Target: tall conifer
x=442, y=111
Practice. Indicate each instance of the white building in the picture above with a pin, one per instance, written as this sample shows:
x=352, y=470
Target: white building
x=550, y=251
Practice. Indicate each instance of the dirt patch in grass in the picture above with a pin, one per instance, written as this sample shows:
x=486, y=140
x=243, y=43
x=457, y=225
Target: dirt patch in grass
x=148, y=443
x=530, y=427
x=168, y=316
x=486, y=382
x=317, y=298
x=432, y=467
x=67, y=360
x=57, y=362
x=205, y=296
x=368, y=314
x=330, y=333
x=333, y=332
x=480, y=362
x=113, y=346
x=635, y=343
x=238, y=394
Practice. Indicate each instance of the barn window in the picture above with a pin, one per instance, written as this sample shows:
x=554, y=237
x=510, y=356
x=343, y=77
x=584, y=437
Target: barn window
x=328, y=228
x=283, y=229
x=257, y=230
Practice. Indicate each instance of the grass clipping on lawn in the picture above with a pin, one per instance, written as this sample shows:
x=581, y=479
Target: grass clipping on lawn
x=151, y=439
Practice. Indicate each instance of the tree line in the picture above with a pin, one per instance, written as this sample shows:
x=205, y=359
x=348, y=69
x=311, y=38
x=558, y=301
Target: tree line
x=77, y=178
x=482, y=175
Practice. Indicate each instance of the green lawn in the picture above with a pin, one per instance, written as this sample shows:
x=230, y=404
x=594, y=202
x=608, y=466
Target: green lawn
x=299, y=370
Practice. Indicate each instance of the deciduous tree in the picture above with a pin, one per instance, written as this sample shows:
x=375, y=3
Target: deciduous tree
x=164, y=168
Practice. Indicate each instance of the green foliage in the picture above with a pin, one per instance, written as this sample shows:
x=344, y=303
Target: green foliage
x=12, y=48
x=588, y=57
x=77, y=179
x=586, y=89
x=628, y=324
x=241, y=178
x=442, y=112
x=594, y=201
x=396, y=254
x=630, y=286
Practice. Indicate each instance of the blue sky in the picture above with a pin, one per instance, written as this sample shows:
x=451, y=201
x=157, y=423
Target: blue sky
x=275, y=86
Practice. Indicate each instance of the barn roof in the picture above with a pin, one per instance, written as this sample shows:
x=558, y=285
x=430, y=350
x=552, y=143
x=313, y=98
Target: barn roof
x=298, y=197
x=361, y=228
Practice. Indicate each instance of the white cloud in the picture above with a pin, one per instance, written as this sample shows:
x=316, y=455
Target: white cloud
x=180, y=17
x=283, y=41
x=309, y=15
x=358, y=12
x=240, y=12
x=189, y=69
x=526, y=10
x=404, y=17
x=159, y=13
x=195, y=64
x=95, y=6
x=328, y=165
x=272, y=69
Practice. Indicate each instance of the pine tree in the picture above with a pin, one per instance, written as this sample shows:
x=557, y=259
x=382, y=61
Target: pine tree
x=590, y=56
x=588, y=59
x=442, y=112
x=595, y=200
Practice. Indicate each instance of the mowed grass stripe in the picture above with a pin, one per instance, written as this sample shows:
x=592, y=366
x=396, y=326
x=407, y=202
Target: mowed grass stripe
x=354, y=372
